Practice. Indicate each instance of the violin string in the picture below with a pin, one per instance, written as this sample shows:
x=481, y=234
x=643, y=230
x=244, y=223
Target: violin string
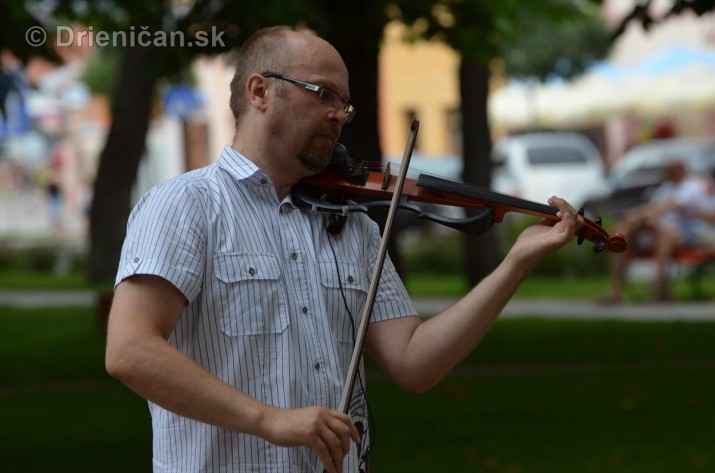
x=370, y=421
x=413, y=172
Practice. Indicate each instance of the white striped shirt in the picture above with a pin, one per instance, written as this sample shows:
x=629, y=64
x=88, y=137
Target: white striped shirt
x=265, y=311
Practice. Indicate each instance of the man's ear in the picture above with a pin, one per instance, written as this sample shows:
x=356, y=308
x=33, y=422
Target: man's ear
x=257, y=91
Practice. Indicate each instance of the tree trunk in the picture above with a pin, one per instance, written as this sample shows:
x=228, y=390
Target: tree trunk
x=482, y=250
x=118, y=166
x=361, y=137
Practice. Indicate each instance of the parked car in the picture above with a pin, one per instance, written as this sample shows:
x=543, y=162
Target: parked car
x=535, y=166
x=642, y=168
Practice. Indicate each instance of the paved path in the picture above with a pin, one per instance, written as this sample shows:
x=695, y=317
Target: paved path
x=581, y=309
x=28, y=299
x=548, y=308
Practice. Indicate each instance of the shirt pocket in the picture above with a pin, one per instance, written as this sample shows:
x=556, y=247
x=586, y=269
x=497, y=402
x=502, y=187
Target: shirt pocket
x=248, y=289
x=345, y=287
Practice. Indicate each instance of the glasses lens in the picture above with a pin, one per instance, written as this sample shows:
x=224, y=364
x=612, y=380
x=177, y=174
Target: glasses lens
x=350, y=112
x=328, y=97
x=332, y=99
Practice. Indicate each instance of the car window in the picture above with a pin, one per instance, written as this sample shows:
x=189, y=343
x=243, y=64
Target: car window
x=643, y=176
x=710, y=158
x=702, y=161
x=551, y=155
x=499, y=158
x=646, y=164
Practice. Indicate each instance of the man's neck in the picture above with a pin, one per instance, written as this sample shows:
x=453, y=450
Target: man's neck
x=269, y=161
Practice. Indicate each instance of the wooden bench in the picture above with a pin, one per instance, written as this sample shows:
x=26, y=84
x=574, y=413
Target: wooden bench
x=694, y=257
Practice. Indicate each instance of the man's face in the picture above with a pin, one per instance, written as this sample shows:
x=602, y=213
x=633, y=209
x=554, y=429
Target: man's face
x=310, y=125
x=317, y=148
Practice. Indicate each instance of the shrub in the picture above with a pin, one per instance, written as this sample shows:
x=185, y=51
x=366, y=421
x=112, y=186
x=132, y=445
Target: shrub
x=41, y=258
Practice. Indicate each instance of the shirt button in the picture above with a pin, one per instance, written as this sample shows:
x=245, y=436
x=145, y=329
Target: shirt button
x=251, y=271
x=136, y=259
x=264, y=180
x=304, y=310
x=351, y=279
x=294, y=256
x=316, y=366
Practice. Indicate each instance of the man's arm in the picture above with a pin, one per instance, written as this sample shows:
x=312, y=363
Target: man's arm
x=417, y=355
x=144, y=313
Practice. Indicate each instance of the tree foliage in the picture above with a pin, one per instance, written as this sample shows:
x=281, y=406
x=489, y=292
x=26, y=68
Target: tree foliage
x=563, y=47
x=643, y=14
x=532, y=38
x=17, y=20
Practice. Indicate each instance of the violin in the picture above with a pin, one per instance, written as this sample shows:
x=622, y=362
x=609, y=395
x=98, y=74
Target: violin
x=347, y=185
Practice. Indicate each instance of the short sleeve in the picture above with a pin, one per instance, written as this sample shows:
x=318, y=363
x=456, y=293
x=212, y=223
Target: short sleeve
x=166, y=237
x=392, y=300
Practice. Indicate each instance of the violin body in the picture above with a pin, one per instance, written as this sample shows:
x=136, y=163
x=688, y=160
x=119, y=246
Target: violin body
x=344, y=180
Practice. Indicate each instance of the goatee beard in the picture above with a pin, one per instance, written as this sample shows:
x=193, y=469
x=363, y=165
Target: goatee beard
x=314, y=158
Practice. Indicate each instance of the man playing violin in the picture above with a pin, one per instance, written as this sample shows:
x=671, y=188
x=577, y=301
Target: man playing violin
x=234, y=310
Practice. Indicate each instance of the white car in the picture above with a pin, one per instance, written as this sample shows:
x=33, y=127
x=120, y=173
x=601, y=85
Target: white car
x=535, y=166
x=642, y=168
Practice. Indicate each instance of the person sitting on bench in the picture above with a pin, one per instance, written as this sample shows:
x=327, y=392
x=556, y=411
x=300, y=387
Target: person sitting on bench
x=669, y=217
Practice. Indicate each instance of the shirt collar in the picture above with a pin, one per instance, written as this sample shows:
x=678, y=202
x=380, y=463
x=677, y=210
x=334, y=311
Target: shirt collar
x=240, y=167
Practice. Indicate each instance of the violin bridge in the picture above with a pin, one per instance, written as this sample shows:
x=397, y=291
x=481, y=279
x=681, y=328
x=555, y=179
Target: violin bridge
x=386, y=178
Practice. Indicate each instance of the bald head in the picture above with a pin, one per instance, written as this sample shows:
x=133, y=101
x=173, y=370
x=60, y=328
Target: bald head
x=283, y=50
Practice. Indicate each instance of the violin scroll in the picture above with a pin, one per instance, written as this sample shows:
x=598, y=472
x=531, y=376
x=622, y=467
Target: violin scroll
x=615, y=242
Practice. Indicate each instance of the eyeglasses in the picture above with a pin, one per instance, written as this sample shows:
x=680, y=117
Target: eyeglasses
x=326, y=95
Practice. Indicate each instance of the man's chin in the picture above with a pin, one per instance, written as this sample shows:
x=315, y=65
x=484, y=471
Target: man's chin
x=315, y=162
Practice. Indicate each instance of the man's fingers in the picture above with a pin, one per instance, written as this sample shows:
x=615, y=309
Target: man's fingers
x=566, y=211
x=352, y=431
x=327, y=432
x=561, y=204
x=341, y=430
x=324, y=454
x=334, y=441
x=334, y=447
x=354, y=434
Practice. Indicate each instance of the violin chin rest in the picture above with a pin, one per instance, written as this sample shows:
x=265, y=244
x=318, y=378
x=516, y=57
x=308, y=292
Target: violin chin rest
x=336, y=223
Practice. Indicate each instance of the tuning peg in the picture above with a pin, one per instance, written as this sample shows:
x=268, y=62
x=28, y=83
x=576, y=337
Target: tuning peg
x=582, y=235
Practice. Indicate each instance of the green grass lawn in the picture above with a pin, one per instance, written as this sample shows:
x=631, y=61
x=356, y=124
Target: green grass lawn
x=60, y=412
x=23, y=279
x=560, y=396
x=537, y=396
x=419, y=284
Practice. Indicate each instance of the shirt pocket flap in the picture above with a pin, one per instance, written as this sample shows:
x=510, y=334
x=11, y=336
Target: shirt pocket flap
x=236, y=267
x=348, y=275
x=250, y=293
